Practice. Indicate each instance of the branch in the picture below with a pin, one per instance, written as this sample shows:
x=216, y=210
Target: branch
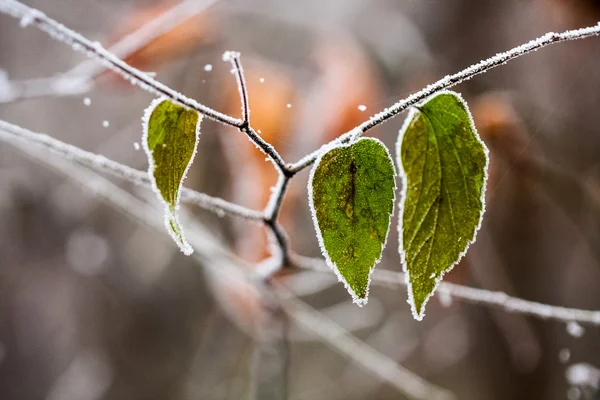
x=472, y=295
x=102, y=164
x=234, y=58
x=452, y=80
x=349, y=346
x=31, y=16
x=78, y=79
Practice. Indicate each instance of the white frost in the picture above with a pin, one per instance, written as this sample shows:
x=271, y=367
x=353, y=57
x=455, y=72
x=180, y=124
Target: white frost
x=136, y=145
x=362, y=107
x=87, y=101
x=106, y=124
x=208, y=67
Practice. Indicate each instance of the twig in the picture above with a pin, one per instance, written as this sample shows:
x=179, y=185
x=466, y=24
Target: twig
x=31, y=16
x=452, y=80
x=103, y=164
x=349, y=346
x=78, y=79
x=473, y=295
x=234, y=58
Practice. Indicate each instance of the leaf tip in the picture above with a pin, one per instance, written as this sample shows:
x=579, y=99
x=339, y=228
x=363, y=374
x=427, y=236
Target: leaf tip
x=176, y=232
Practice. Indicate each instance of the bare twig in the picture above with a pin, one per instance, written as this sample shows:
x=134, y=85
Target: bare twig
x=349, y=346
x=472, y=295
x=31, y=16
x=234, y=58
x=105, y=165
x=79, y=78
x=452, y=80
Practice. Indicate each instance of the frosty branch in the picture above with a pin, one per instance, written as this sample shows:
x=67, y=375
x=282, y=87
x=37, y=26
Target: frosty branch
x=346, y=148
x=79, y=79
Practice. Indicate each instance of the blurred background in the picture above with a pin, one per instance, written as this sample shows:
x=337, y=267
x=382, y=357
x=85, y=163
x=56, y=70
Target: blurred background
x=95, y=305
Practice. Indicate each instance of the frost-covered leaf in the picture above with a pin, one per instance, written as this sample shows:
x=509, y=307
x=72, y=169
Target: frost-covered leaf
x=351, y=193
x=444, y=165
x=171, y=135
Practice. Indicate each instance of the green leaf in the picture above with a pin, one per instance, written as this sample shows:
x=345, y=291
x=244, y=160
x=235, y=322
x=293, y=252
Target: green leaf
x=351, y=194
x=444, y=166
x=171, y=135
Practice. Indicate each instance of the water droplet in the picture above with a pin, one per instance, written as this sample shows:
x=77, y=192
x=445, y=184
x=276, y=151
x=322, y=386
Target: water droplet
x=208, y=67
x=106, y=124
x=289, y=105
x=262, y=80
x=87, y=101
x=362, y=107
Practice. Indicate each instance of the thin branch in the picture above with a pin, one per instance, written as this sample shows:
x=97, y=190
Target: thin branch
x=472, y=295
x=105, y=165
x=309, y=319
x=234, y=58
x=79, y=78
x=31, y=16
x=452, y=80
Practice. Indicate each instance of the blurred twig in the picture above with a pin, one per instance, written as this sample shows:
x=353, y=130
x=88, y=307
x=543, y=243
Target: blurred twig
x=337, y=338
x=473, y=295
x=79, y=78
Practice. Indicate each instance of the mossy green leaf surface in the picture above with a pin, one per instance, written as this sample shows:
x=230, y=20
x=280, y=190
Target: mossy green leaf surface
x=444, y=166
x=171, y=135
x=351, y=193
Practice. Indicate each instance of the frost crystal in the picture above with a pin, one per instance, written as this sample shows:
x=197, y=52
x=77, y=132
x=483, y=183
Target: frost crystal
x=208, y=67
x=136, y=145
x=262, y=80
x=105, y=124
x=362, y=107
x=230, y=55
x=289, y=105
x=575, y=330
x=87, y=101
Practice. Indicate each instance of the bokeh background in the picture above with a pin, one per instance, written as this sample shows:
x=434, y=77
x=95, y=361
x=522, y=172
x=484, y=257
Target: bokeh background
x=95, y=305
